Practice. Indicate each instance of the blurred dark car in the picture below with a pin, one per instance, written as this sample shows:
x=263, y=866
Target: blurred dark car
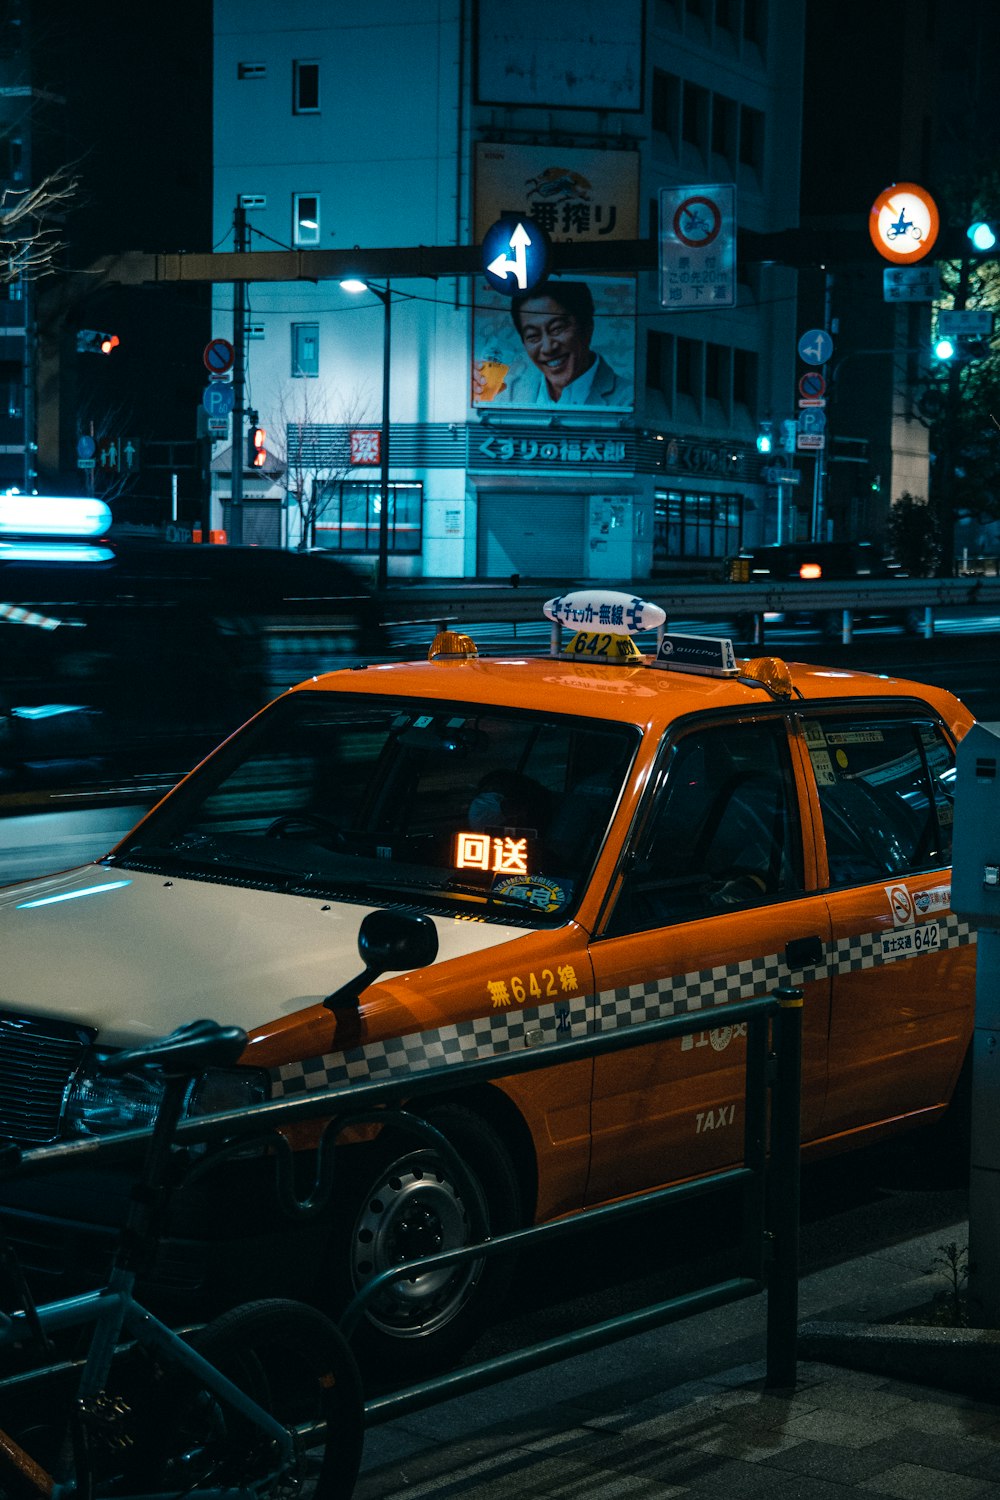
x=795, y=562
x=129, y=660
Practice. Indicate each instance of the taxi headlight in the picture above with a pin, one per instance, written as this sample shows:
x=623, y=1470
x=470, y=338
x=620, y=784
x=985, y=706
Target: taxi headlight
x=99, y=1105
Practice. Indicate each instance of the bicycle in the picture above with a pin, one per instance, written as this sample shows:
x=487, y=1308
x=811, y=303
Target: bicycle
x=229, y=1411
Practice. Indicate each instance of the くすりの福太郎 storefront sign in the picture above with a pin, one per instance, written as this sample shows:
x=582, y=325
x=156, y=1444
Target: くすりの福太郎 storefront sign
x=554, y=452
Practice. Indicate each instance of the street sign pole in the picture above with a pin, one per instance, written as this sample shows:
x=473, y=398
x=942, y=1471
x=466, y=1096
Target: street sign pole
x=239, y=372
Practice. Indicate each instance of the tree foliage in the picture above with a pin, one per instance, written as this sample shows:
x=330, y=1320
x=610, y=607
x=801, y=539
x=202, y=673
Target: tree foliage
x=914, y=532
x=965, y=423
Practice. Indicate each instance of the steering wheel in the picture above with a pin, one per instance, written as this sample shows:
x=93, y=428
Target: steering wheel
x=299, y=822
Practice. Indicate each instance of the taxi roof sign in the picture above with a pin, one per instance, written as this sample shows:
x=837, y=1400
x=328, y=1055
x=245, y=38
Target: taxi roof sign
x=708, y=655
x=604, y=609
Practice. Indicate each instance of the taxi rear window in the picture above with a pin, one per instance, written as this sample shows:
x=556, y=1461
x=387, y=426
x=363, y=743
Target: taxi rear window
x=375, y=799
x=886, y=791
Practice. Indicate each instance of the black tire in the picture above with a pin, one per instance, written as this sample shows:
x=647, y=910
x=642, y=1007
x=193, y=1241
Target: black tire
x=289, y=1358
x=397, y=1196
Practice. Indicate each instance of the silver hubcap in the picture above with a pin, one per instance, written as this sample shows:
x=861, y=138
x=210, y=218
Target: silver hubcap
x=412, y=1211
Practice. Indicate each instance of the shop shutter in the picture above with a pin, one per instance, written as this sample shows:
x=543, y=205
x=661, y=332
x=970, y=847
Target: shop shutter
x=537, y=534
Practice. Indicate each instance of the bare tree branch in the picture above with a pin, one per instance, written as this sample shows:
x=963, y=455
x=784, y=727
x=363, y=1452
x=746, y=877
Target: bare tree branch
x=29, y=242
x=310, y=468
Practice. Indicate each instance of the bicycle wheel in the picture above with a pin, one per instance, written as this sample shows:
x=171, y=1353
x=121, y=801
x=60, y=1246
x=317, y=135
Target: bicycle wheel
x=290, y=1359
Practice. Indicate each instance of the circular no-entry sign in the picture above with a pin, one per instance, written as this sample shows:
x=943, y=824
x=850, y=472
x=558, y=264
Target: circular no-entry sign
x=218, y=356
x=904, y=222
x=697, y=221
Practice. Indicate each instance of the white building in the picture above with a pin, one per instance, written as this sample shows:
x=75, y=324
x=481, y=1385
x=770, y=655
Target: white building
x=405, y=125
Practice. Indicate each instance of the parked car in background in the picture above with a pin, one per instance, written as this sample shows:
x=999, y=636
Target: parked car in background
x=817, y=562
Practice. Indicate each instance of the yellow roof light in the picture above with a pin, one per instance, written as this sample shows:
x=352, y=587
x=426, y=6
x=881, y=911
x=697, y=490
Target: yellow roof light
x=772, y=674
x=452, y=645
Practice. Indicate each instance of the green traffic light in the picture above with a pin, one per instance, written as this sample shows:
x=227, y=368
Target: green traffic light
x=982, y=235
x=944, y=349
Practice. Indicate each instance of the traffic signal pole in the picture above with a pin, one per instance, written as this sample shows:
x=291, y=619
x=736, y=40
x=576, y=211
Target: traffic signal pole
x=239, y=384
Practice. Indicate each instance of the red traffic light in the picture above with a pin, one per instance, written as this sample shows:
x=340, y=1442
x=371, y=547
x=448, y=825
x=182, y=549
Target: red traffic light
x=93, y=341
x=256, y=451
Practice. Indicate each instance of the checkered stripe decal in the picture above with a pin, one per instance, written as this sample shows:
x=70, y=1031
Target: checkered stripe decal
x=681, y=994
x=506, y=1030
x=501, y=1031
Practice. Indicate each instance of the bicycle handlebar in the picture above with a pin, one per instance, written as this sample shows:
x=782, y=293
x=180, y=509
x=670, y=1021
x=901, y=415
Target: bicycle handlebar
x=185, y=1053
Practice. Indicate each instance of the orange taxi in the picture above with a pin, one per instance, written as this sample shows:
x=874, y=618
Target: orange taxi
x=590, y=840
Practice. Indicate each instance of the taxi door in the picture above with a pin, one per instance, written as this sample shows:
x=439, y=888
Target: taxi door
x=902, y=968
x=712, y=907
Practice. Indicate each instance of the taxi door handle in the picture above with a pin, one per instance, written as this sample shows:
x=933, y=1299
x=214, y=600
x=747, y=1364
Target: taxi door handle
x=804, y=953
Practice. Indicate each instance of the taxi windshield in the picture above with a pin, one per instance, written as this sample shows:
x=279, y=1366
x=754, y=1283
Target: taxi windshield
x=382, y=800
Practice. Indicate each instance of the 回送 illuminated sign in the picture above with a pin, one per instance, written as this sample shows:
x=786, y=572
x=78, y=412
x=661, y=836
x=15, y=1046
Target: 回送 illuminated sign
x=500, y=854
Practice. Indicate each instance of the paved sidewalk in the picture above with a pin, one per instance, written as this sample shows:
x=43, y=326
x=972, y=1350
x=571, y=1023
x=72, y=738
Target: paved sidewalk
x=682, y=1411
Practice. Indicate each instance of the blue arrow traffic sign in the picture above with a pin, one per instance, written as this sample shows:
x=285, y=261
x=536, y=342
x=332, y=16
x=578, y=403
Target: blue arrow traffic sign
x=815, y=347
x=516, y=255
x=218, y=399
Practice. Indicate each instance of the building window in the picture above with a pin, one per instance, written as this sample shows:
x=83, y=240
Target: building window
x=745, y=379
x=347, y=518
x=696, y=525
x=305, y=349
x=694, y=116
x=305, y=219
x=724, y=127
x=251, y=70
x=687, y=368
x=754, y=22
x=717, y=373
x=658, y=361
x=666, y=97
x=668, y=14
x=305, y=88
x=751, y=137
x=727, y=15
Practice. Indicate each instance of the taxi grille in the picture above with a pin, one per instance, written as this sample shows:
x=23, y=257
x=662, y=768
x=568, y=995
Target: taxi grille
x=37, y=1061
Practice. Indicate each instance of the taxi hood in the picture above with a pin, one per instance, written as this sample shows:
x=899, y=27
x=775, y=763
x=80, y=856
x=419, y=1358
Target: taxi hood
x=134, y=954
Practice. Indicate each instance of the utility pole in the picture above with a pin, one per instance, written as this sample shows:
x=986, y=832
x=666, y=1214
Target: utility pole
x=239, y=384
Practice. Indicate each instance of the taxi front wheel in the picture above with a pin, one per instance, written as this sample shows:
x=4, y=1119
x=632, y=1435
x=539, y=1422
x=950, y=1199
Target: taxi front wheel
x=399, y=1202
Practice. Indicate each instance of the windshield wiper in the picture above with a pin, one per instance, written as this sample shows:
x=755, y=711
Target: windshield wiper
x=202, y=853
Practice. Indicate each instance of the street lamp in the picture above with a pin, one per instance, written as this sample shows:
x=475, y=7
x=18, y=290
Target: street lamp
x=353, y=284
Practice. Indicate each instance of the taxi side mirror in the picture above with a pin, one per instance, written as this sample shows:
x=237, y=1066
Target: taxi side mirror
x=387, y=940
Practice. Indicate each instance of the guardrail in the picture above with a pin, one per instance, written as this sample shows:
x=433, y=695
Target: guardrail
x=768, y=1180
x=455, y=603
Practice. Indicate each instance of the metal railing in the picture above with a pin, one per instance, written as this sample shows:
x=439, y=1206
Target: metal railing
x=768, y=1180
x=919, y=599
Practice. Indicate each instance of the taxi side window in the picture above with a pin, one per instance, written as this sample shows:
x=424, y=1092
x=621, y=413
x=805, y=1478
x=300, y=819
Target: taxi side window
x=724, y=833
x=886, y=790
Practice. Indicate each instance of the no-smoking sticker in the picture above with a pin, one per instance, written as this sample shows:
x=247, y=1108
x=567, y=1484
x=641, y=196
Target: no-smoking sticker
x=900, y=904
